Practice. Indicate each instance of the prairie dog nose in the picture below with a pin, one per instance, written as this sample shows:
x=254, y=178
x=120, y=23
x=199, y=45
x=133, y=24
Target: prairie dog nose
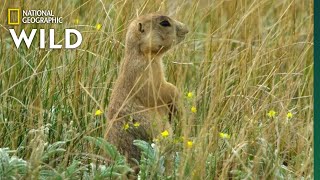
x=182, y=29
x=185, y=30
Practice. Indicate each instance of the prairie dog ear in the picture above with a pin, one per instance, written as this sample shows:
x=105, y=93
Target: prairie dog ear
x=141, y=28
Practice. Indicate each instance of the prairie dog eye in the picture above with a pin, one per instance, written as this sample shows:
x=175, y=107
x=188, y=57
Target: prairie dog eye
x=165, y=23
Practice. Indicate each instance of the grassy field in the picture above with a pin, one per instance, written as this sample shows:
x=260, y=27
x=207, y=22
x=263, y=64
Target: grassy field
x=245, y=69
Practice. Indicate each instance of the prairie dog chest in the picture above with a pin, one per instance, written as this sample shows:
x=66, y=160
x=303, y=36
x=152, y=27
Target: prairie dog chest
x=149, y=84
x=154, y=73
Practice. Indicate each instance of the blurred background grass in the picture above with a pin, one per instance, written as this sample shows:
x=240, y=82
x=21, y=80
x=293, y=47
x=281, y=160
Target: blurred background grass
x=241, y=60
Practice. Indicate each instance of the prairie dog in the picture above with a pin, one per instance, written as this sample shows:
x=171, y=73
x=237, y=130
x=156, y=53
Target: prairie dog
x=141, y=96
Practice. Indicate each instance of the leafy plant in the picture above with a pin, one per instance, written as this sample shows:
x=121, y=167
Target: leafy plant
x=117, y=168
x=11, y=167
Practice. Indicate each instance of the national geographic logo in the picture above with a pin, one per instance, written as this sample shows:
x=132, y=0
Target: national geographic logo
x=15, y=16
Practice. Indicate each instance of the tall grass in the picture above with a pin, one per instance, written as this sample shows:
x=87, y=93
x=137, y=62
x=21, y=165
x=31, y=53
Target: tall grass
x=241, y=60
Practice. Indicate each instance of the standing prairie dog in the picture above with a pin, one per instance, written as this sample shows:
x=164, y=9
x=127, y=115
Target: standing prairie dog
x=141, y=96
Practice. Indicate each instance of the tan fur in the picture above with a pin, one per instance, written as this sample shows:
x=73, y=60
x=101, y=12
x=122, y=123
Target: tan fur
x=141, y=93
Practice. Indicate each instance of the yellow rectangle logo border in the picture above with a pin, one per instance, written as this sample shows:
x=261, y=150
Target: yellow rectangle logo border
x=9, y=15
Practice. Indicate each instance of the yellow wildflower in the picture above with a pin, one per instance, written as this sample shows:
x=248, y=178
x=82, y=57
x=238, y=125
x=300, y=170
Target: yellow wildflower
x=224, y=135
x=76, y=21
x=289, y=115
x=190, y=95
x=98, y=26
x=126, y=126
x=189, y=144
x=193, y=109
x=165, y=134
x=271, y=114
x=98, y=112
x=136, y=124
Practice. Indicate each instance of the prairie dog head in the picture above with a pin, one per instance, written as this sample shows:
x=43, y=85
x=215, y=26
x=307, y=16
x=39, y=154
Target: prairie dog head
x=154, y=34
